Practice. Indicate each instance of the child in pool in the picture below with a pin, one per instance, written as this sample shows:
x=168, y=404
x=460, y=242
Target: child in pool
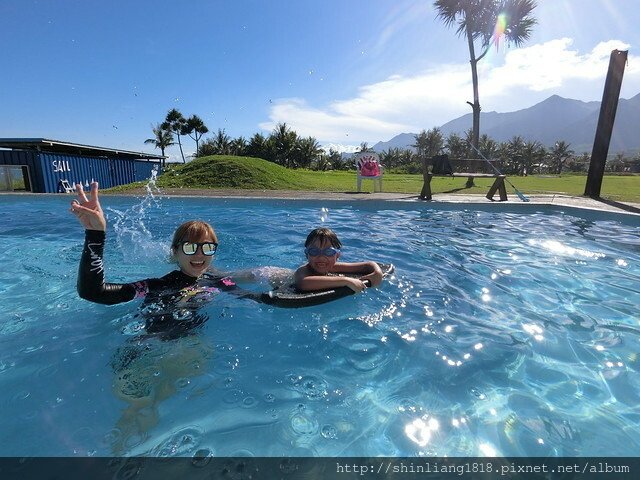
x=193, y=246
x=322, y=270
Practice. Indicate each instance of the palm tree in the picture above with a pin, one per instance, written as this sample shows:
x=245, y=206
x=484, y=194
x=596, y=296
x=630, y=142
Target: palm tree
x=512, y=153
x=222, y=143
x=534, y=153
x=195, y=128
x=175, y=122
x=457, y=146
x=284, y=140
x=488, y=146
x=486, y=21
x=206, y=148
x=560, y=153
x=238, y=146
x=335, y=159
x=306, y=151
x=390, y=158
x=258, y=147
x=364, y=147
x=162, y=138
x=428, y=143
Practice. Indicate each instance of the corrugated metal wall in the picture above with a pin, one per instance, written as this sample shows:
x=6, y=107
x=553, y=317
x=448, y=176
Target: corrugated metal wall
x=48, y=169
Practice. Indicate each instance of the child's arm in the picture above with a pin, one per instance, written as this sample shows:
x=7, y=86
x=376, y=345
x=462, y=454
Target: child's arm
x=370, y=271
x=306, y=281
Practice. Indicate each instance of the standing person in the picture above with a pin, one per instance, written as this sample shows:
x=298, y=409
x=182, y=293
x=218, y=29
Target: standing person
x=323, y=271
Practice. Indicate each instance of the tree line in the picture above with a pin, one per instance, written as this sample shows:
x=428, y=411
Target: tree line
x=283, y=146
x=288, y=149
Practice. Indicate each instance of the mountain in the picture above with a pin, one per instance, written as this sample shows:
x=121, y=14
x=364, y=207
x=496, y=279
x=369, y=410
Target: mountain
x=553, y=119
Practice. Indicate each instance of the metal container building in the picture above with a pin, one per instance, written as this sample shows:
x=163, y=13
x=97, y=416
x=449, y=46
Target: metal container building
x=50, y=166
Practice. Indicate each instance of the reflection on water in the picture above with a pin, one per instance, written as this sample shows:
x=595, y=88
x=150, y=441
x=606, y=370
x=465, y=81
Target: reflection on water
x=148, y=372
x=499, y=334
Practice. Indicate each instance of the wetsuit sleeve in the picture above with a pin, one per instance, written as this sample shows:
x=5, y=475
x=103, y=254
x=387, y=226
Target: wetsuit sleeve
x=91, y=284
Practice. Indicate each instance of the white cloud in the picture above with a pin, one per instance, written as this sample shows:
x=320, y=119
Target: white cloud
x=550, y=65
x=436, y=96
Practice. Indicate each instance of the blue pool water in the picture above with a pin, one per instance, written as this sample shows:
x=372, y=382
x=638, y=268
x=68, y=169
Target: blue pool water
x=505, y=331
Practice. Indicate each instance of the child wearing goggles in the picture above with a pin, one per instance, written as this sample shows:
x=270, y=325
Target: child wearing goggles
x=323, y=271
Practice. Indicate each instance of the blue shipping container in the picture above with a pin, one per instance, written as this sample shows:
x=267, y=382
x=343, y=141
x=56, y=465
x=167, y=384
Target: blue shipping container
x=45, y=172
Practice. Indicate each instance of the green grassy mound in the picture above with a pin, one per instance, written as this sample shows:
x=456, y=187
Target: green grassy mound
x=221, y=171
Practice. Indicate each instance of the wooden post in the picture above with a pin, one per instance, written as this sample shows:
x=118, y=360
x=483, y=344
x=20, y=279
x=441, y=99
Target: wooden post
x=425, y=194
x=607, y=116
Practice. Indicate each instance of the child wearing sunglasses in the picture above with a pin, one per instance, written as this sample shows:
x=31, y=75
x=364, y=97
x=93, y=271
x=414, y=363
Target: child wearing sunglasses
x=193, y=246
x=323, y=271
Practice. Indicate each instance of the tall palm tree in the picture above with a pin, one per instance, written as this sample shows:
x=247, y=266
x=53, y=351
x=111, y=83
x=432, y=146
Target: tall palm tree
x=175, y=122
x=195, y=128
x=162, y=138
x=486, y=21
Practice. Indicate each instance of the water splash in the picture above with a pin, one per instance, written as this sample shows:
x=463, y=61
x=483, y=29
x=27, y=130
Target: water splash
x=151, y=185
x=134, y=239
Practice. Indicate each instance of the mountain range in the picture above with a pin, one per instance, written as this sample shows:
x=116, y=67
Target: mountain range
x=547, y=122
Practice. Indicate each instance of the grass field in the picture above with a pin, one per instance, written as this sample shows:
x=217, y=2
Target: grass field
x=218, y=172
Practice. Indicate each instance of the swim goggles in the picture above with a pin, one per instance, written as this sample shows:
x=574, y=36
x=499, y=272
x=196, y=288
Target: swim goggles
x=316, y=252
x=208, y=248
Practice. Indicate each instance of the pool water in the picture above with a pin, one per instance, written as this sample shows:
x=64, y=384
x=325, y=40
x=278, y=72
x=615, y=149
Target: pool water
x=504, y=331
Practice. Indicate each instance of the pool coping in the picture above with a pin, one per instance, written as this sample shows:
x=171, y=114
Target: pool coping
x=558, y=200
x=601, y=205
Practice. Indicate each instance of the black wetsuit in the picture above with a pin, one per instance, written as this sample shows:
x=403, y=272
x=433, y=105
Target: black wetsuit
x=169, y=301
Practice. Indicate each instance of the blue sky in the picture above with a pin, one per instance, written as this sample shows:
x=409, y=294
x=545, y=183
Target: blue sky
x=342, y=71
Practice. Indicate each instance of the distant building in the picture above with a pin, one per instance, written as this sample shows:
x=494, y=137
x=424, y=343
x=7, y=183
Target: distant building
x=48, y=166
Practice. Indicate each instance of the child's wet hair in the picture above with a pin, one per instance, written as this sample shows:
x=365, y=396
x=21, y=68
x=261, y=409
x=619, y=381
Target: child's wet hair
x=323, y=234
x=193, y=231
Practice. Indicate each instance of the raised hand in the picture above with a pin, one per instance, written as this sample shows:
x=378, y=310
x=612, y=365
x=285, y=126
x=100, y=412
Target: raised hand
x=89, y=211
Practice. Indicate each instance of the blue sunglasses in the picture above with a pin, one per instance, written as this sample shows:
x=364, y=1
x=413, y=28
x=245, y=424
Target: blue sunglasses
x=316, y=252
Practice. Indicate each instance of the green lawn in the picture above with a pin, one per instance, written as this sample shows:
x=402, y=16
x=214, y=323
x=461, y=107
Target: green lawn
x=217, y=172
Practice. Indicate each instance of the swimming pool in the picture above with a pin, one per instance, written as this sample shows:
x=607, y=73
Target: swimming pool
x=505, y=331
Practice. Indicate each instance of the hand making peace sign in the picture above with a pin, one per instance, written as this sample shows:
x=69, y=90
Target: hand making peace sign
x=89, y=211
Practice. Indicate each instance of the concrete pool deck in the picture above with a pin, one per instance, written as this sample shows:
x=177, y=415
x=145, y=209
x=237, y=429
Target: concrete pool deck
x=559, y=199
x=540, y=199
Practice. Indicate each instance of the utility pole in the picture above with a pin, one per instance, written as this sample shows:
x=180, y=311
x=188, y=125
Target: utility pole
x=607, y=116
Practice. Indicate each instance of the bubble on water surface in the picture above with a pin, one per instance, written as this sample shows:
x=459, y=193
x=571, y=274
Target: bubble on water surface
x=249, y=402
x=304, y=425
x=179, y=444
x=329, y=432
x=202, y=458
x=310, y=386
